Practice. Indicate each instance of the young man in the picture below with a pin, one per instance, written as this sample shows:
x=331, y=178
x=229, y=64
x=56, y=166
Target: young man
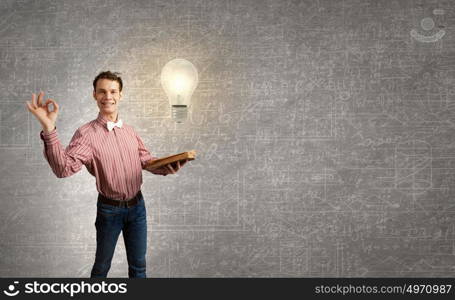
x=112, y=152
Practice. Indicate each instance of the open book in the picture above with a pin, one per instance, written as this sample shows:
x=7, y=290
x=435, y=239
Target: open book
x=157, y=163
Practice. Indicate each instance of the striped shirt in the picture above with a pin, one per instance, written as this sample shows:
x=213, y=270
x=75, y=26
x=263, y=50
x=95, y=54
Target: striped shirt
x=116, y=158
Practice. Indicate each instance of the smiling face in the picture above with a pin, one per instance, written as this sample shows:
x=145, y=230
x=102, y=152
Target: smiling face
x=107, y=95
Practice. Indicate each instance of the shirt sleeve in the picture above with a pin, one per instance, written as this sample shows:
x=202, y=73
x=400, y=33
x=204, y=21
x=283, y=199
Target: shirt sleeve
x=66, y=162
x=144, y=154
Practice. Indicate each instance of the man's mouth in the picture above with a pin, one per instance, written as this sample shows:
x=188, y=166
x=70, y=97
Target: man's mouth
x=107, y=103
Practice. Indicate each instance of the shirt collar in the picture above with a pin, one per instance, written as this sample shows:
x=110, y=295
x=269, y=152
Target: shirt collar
x=103, y=121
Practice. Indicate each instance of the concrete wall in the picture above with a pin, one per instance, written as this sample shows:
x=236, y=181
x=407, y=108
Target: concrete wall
x=324, y=131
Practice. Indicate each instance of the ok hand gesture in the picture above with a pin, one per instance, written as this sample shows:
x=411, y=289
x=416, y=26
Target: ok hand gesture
x=42, y=112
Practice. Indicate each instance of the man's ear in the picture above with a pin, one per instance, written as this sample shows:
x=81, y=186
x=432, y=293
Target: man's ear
x=94, y=98
x=121, y=95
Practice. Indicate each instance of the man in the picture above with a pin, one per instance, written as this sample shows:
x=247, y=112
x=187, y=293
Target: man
x=112, y=152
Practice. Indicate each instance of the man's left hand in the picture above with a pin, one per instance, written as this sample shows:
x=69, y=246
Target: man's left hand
x=169, y=168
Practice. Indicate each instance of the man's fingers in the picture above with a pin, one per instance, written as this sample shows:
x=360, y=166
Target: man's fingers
x=29, y=106
x=40, y=98
x=33, y=104
x=183, y=162
x=169, y=166
x=50, y=101
x=56, y=107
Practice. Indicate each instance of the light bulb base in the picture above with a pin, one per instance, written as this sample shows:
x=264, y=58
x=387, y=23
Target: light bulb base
x=179, y=113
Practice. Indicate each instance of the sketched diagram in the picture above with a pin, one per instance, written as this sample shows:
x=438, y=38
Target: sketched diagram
x=429, y=35
x=413, y=166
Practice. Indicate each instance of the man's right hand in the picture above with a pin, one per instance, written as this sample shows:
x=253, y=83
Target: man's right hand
x=41, y=111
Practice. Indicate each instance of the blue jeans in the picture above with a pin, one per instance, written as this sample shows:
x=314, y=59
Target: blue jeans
x=132, y=221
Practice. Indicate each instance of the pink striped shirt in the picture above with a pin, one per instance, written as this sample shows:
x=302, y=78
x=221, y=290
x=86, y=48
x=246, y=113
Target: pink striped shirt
x=116, y=158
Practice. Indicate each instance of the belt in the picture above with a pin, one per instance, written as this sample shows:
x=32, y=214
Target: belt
x=120, y=203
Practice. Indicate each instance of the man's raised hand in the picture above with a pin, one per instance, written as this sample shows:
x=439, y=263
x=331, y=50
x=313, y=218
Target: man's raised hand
x=42, y=112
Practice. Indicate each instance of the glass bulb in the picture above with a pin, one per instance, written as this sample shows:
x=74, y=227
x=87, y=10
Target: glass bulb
x=179, y=79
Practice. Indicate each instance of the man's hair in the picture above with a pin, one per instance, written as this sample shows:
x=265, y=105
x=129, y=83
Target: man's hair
x=114, y=76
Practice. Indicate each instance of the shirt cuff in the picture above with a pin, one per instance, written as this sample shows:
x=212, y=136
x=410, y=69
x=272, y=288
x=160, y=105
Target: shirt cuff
x=49, y=138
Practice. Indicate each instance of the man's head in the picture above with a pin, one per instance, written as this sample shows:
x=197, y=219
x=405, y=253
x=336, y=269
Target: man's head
x=114, y=76
x=107, y=91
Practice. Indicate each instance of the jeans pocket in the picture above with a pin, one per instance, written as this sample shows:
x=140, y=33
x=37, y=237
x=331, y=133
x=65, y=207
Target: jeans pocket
x=107, y=211
x=141, y=210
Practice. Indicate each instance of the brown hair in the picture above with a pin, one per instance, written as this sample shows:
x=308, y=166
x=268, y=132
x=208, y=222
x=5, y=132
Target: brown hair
x=114, y=76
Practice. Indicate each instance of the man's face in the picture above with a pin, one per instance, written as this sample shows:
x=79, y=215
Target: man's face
x=107, y=95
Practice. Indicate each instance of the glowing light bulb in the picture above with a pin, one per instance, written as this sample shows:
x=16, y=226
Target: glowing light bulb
x=179, y=79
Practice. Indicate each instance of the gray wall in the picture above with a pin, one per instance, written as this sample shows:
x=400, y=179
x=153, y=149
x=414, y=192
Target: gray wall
x=324, y=131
